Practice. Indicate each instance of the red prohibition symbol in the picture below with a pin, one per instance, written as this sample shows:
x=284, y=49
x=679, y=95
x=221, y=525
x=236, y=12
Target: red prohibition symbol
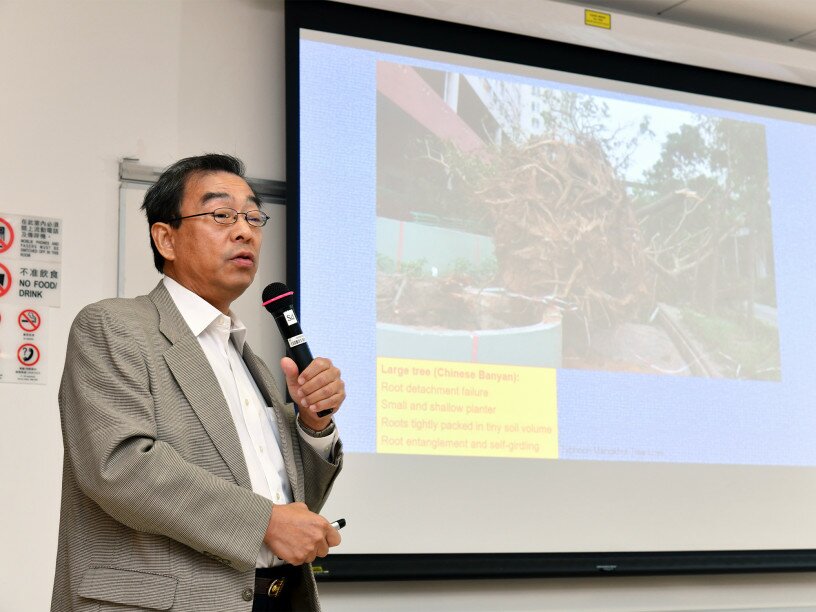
x=28, y=355
x=5, y=280
x=6, y=235
x=29, y=320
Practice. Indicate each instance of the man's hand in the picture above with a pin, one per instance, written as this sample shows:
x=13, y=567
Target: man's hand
x=317, y=388
x=297, y=535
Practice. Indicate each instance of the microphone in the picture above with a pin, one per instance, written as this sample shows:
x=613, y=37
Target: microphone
x=279, y=300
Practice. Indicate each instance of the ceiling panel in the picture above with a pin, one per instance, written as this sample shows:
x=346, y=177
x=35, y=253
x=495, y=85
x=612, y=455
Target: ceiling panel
x=777, y=20
x=772, y=20
x=559, y=20
x=637, y=7
x=807, y=41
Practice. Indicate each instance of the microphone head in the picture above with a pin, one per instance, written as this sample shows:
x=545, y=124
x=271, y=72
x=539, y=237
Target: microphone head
x=277, y=297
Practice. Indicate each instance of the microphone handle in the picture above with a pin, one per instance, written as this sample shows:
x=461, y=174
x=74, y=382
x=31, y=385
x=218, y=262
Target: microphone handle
x=301, y=355
x=300, y=352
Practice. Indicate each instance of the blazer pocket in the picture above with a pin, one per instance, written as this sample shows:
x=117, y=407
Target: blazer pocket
x=129, y=588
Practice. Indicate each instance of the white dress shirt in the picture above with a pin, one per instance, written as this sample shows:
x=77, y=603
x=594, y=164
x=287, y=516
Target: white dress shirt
x=254, y=420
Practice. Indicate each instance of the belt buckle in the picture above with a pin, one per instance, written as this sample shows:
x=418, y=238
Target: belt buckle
x=276, y=587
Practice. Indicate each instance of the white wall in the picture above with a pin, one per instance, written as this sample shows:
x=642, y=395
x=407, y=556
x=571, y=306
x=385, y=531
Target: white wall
x=84, y=83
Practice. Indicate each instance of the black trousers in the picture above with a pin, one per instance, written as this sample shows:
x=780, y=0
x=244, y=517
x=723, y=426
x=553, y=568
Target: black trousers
x=274, y=588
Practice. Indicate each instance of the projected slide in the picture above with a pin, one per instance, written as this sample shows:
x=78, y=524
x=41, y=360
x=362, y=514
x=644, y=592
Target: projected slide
x=551, y=268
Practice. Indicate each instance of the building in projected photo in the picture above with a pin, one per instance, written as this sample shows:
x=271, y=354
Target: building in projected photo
x=493, y=109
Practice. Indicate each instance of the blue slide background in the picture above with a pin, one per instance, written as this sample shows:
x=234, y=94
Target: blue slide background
x=602, y=415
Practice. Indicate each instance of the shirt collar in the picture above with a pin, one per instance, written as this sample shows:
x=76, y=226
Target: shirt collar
x=199, y=314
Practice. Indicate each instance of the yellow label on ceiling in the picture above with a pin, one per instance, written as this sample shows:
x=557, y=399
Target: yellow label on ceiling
x=597, y=19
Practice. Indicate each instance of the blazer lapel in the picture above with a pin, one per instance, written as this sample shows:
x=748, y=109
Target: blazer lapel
x=197, y=381
x=269, y=388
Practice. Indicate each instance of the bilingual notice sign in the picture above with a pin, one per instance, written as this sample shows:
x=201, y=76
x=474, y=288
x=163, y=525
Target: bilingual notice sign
x=30, y=283
x=23, y=344
x=30, y=259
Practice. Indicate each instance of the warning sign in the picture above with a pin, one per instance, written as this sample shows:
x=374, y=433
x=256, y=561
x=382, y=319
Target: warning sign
x=29, y=282
x=6, y=235
x=5, y=280
x=597, y=19
x=29, y=320
x=27, y=237
x=30, y=256
x=23, y=344
x=28, y=355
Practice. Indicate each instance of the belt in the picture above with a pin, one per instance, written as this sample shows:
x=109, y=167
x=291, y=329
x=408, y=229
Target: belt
x=277, y=582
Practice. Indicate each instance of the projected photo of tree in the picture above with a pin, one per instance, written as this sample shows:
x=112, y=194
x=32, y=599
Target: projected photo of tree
x=622, y=236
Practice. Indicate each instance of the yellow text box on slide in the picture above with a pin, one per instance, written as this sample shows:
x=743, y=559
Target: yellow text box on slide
x=466, y=409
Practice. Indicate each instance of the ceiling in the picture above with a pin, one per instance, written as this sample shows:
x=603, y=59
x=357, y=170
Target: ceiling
x=772, y=39
x=789, y=22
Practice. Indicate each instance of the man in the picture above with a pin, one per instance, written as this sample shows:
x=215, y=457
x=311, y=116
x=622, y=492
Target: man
x=188, y=484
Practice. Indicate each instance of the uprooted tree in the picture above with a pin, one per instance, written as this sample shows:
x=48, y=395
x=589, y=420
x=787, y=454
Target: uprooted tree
x=565, y=228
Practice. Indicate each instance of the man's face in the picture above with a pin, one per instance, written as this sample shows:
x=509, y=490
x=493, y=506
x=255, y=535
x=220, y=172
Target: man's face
x=218, y=262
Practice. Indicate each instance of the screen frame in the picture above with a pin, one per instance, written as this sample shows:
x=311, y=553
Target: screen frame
x=363, y=22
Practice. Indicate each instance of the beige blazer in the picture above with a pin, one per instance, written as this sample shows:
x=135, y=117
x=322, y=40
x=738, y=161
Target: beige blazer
x=157, y=509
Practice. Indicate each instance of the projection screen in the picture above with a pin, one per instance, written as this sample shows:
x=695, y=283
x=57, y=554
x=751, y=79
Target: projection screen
x=571, y=295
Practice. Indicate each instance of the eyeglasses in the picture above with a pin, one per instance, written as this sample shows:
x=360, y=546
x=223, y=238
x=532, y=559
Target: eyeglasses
x=229, y=216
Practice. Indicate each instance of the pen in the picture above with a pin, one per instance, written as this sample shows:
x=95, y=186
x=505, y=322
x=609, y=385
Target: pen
x=339, y=523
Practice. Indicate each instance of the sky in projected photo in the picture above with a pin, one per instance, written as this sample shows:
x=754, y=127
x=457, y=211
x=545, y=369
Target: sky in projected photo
x=547, y=270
